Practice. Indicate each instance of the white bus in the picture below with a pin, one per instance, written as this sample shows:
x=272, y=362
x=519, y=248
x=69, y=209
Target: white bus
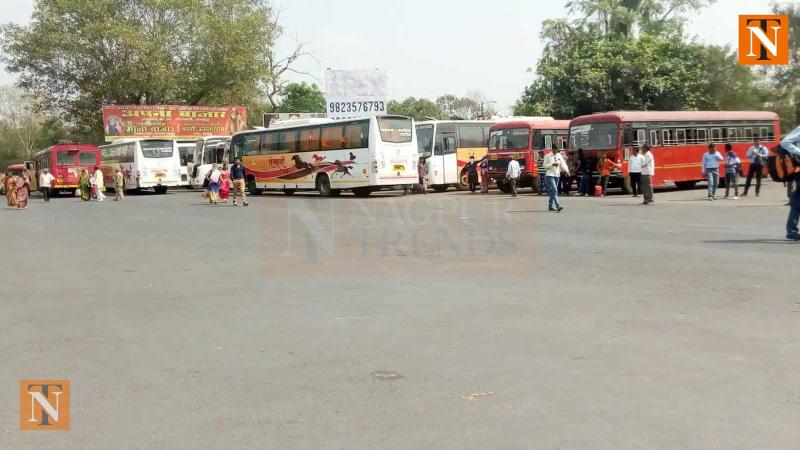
x=145, y=163
x=360, y=155
x=186, y=151
x=209, y=150
x=446, y=146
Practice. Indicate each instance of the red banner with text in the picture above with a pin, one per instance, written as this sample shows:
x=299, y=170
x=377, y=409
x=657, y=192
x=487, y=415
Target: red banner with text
x=171, y=122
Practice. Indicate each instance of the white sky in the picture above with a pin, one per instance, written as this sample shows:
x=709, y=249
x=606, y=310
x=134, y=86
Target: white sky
x=434, y=47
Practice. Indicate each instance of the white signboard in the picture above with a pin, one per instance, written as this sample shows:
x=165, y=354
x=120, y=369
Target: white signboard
x=355, y=93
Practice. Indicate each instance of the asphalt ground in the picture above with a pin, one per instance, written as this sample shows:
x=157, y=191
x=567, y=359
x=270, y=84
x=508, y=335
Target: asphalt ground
x=451, y=320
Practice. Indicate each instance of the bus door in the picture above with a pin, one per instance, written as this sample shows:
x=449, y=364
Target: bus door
x=66, y=167
x=449, y=158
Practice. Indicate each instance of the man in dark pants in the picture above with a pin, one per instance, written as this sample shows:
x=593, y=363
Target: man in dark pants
x=791, y=143
x=757, y=154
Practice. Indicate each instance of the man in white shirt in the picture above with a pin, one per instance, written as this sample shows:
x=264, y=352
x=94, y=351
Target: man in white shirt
x=648, y=170
x=99, y=184
x=635, y=161
x=512, y=174
x=46, y=183
x=757, y=154
x=554, y=164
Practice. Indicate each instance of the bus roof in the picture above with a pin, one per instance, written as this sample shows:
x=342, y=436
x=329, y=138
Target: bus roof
x=75, y=146
x=459, y=122
x=673, y=116
x=129, y=140
x=533, y=122
x=314, y=121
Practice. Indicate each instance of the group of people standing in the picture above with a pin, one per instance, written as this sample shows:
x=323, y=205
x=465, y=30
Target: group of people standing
x=219, y=183
x=17, y=188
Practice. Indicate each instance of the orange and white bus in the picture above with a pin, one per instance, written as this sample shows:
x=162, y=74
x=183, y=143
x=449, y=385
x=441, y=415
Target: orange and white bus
x=525, y=140
x=360, y=155
x=677, y=139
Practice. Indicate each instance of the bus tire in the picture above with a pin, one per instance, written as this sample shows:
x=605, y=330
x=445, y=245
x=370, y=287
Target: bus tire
x=463, y=181
x=289, y=191
x=684, y=185
x=504, y=186
x=536, y=186
x=362, y=191
x=252, y=187
x=439, y=187
x=324, y=186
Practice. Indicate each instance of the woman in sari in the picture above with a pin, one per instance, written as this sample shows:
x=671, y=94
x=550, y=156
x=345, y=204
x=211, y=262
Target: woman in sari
x=10, y=189
x=22, y=185
x=224, y=183
x=85, y=186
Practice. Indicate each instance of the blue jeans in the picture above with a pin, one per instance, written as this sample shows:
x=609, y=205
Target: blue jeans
x=586, y=182
x=794, y=211
x=552, y=191
x=713, y=181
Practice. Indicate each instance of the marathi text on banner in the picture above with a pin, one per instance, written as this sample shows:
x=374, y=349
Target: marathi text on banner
x=171, y=121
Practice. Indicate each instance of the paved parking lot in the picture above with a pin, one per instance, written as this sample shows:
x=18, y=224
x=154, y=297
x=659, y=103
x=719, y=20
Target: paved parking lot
x=441, y=321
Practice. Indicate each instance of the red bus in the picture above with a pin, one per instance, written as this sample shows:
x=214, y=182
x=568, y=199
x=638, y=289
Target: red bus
x=65, y=161
x=677, y=139
x=524, y=140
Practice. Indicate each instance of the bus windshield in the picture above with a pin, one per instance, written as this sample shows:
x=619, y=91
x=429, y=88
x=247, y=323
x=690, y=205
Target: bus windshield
x=396, y=130
x=594, y=136
x=509, y=138
x=156, y=149
x=425, y=140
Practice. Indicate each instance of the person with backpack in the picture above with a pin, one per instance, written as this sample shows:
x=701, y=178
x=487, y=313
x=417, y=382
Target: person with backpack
x=791, y=143
x=484, y=167
x=757, y=155
x=732, y=167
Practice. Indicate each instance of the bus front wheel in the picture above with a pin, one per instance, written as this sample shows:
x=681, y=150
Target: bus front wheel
x=252, y=187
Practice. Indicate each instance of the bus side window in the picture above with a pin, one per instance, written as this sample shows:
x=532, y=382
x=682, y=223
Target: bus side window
x=449, y=144
x=716, y=135
x=548, y=142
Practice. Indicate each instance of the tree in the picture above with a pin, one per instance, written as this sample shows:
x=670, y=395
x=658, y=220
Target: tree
x=471, y=107
x=77, y=55
x=301, y=97
x=786, y=78
x=416, y=108
x=631, y=54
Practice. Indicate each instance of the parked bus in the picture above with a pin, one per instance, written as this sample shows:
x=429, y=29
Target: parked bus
x=446, y=146
x=360, y=155
x=145, y=163
x=677, y=139
x=525, y=140
x=186, y=151
x=65, y=160
x=210, y=150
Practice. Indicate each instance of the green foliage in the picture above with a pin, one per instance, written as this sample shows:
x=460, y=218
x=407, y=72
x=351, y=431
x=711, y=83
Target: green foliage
x=473, y=106
x=76, y=55
x=301, y=97
x=631, y=54
x=416, y=108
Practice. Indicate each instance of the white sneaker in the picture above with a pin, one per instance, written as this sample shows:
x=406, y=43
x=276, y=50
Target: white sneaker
x=735, y=197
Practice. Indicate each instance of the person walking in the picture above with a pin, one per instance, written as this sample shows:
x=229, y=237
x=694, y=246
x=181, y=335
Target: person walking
x=213, y=185
x=99, y=184
x=585, y=173
x=566, y=177
x=224, y=183
x=605, y=165
x=85, y=186
x=22, y=185
x=757, y=154
x=119, y=185
x=46, y=183
x=791, y=143
x=237, y=174
x=710, y=170
x=512, y=175
x=648, y=171
x=635, y=171
x=484, y=168
x=554, y=164
x=472, y=174
x=9, y=187
x=732, y=167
